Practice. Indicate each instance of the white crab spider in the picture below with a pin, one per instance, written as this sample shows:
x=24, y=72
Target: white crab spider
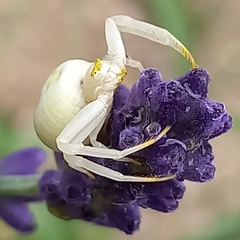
x=77, y=97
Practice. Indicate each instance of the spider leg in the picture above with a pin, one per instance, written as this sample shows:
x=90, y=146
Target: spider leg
x=116, y=49
x=160, y=35
x=134, y=63
x=79, y=163
x=93, y=135
x=95, y=143
x=129, y=62
x=111, y=153
x=81, y=126
x=70, y=140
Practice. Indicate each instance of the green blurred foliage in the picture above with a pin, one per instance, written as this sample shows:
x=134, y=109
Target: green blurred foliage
x=179, y=18
x=174, y=16
x=171, y=15
x=225, y=227
x=10, y=138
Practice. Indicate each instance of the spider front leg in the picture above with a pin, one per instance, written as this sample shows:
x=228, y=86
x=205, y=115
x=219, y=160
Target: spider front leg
x=129, y=62
x=87, y=123
x=134, y=63
x=95, y=143
x=116, y=47
x=71, y=139
x=153, y=33
x=83, y=165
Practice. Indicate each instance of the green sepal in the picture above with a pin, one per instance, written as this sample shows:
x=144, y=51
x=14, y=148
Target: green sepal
x=19, y=185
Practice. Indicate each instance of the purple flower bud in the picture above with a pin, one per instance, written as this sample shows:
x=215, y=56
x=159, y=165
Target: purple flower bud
x=152, y=130
x=196, y=82
x=164, y=196
x=125, y=217
x=130, y=137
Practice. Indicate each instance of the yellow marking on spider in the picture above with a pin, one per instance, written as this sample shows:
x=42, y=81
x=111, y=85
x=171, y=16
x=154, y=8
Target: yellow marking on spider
x=122, y=74
x=97, y=67
x=135, y=162
x=157, y=178
x=89, y=174
x=188, y=56
x=165, y=178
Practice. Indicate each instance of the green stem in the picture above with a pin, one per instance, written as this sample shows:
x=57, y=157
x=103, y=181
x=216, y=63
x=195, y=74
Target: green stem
x=19, y=185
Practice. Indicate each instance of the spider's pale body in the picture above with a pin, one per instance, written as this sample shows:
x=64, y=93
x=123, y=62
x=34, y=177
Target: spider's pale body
x=49, y=123
x=77, y=97
x=67, y=91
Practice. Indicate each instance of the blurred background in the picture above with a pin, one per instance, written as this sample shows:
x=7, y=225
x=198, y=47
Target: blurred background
x=36, y=36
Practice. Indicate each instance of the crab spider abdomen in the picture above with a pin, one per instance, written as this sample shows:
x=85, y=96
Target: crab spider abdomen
x=61, y=99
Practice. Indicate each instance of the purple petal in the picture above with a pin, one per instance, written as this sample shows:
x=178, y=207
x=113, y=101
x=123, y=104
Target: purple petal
x=164, y=196
x=165, y=160
x=130, y=137
x=75, y=188
x=22, y=162
x=196, y=82
x=49, y=185
x=120, y=96
x=125, y=217
x=17, y=215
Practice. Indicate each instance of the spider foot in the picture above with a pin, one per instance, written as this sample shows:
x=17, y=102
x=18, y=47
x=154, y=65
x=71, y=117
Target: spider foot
x=188, y=56
x=145, y=179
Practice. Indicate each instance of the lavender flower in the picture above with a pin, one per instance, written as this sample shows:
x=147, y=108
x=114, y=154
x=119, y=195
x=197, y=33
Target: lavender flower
x=138, y=114
x=73, y=195
x=14, y=209
x=152, y=104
